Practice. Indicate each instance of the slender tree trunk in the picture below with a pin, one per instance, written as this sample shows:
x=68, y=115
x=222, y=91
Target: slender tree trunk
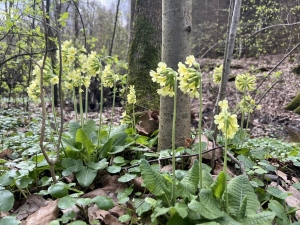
x=145, y=52
x=176, y=46
x=114, y=32
x=230, y=41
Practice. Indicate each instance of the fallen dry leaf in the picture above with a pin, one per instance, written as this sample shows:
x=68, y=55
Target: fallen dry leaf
x=44, y=215
x=148, y=123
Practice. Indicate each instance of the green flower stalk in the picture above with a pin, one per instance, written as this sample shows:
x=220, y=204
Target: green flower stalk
x=167, y=78
x=191, y=83
x=227, y=123
x=131, y=99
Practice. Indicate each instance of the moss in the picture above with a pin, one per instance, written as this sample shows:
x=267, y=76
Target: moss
x=144, y=54
x=294, y=104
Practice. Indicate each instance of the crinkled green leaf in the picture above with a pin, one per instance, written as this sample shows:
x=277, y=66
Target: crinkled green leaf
x=153, y=180
x=191, y=179
x=73, y=127
x=72, y=164
x=218, y=187
x=97, y=166
x=238, y=188
x=262, y=218
x=141, y=206
x=83, y=138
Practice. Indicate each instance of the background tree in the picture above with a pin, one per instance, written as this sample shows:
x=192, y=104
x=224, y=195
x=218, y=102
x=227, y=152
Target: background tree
x=145, y=52
x=176, y=46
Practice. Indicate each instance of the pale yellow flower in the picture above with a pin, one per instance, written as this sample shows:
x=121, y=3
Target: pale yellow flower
x=217, y=75
x=131, y=97
x=223, y=104
x=190, y=60
x=182, y=70
x=54, y=80
x=227, y=123
x=161, y=67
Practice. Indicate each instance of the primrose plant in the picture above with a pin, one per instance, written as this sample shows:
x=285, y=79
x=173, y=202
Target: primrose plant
x=196, y=198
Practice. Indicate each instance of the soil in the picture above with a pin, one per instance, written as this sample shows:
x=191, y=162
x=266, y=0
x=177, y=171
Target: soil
x=272, y=120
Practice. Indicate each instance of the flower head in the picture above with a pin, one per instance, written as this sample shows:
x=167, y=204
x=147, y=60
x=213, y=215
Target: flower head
x=131, y=97
x=245, y=82
x=217, y=75
x=54, y=80
x=223, y=104
x=190, y=60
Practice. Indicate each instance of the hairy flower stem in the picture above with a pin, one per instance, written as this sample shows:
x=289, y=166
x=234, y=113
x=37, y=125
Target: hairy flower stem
x=81, y=108
x=75, y=104
x=133, y=117
x=173, y=142
x=113, y=108
x=225, y=164
x=200, y=137
x=86, y=102
x=100, y=115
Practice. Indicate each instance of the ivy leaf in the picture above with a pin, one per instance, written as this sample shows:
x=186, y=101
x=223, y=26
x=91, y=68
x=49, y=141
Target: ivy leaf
x=6, y=201
x=114, y=169
x=86, y=176
x=103, y=202
x=66, y=202
x=58, y=190
x=126, y=177
x=23, y=182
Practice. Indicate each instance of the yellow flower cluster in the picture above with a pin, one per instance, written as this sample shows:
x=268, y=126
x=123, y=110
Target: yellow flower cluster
x=109, y=77
x=131, y=97
x=245, y=82
x=189, y=78
x=217, y=75
x=165, y=76
x=247, y=104
x=226, y=122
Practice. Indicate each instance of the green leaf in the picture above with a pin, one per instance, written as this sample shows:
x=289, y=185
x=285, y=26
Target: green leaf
x=158, y=212
x=66, y=202
x=126, y=177
x=242, y=211
x=58, y=190
x=107, y=147
x=114, y=169
x=6, y=179
x=103, y=202
x=83, y=138
x=73, y=127
x=11, y=220
x=176, y=219
x=276, y=207
x=277, y=193
x=119, y=160
x=263, y=218
x=218, y=187
x=191, y=179
x=141, y=206
x=208, y=223
x=86, y=176
x=97, y=166
x=23, y=182
x=78, y=222
x=119, y=129
x=238, y=188
x=6, y=201
x=182, y=191
x=124, y=218
x=119, y=143
x=181, y=209
x=84, y=201
x=55, y=222
x=89, y=128
x=208, y=207
x=228, y=220
x=207, y=179
x=153, y=180
x=72, y=164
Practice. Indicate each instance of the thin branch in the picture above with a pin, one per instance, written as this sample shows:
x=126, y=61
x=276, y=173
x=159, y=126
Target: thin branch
x=272, y=26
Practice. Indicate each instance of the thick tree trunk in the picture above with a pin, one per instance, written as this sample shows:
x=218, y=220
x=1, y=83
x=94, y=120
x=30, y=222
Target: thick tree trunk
x=145, y=52
x=176, y=39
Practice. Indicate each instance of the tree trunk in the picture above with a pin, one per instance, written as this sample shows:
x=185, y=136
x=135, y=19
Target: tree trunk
x=114, y=32
x=176, y=39
x=145, y=52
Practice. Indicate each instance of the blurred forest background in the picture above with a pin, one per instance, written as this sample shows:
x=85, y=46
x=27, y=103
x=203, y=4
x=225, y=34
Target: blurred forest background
x=266, y=27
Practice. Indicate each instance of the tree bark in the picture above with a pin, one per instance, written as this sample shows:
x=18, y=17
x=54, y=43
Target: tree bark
x=114, y=32
x=176, y=46
x=145, y=52
x=228, y=55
